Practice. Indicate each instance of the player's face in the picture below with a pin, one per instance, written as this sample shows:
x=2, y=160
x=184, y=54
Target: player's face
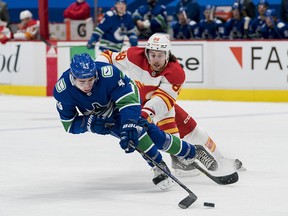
x=25, y=21
x=181, y=18
x=207, y=14
x=236, y=13
x=120, y=8
x=85, y=85
x=157, y=59
x=262, y=9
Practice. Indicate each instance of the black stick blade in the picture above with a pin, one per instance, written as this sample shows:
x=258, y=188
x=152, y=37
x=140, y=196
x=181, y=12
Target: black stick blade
x=221, y=180
x=228, y=179
x=187, y=201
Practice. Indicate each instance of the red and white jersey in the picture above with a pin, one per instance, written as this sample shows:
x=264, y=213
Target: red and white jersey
x=158, y=91
x=29, y=31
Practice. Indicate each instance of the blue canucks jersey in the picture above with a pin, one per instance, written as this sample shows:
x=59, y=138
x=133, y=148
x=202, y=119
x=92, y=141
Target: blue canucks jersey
x=113, y=29
x=234, y=29
x=157, y=16
x=255, y=26
x=186, y=31
x=112, y=94
x=278, y=31
x=210, y=29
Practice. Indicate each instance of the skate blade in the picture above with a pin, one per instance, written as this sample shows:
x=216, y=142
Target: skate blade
x=189, y=173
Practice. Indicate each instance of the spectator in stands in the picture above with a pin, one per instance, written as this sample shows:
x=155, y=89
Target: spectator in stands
x=79, y=10
x=234, y=27
x=4, y=13
x=113, y=28
x=210, y=27
x=284, y=11
x=184, y=28
x=5, y=33
x=150, y=18
x=257, y=23
x=248, y=8
x=192, y=9
x=28, y=29
x=273, y=27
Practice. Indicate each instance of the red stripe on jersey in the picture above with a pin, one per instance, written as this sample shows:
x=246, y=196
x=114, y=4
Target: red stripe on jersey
x=168, y=125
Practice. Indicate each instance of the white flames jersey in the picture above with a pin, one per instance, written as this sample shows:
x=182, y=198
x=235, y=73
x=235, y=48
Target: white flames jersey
x=158, y=91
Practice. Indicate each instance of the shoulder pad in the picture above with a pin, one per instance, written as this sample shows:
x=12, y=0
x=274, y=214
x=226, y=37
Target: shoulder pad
x=218, y=21
x=280, y=25
x=109, y=13
x=192, y=22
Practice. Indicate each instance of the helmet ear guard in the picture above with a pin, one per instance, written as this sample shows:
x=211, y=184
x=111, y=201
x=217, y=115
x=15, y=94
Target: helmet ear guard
x=82, y=66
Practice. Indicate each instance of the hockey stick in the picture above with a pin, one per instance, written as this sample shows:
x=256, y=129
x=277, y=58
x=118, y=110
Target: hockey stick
x=59, y=46
x=221, y=180
x=187, y=201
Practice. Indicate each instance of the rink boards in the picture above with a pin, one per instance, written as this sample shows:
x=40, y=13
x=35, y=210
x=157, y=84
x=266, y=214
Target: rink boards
x=215, y=70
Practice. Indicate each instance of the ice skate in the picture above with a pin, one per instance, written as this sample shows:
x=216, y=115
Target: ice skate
x=160, y=178
x=206, y=158
x=182, y=167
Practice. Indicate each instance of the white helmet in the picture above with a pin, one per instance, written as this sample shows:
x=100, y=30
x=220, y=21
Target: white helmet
x=25, y=14
x=161, y=42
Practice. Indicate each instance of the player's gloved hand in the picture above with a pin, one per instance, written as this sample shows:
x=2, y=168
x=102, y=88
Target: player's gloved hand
x=100, y=125
x=133, y=40
x=91, y=43
x=129, y=136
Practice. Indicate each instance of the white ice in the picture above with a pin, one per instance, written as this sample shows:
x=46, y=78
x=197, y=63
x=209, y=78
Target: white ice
x=47, y=172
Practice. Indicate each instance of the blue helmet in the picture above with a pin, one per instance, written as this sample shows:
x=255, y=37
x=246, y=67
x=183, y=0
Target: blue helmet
x=82, y=66
x=120, y=1
x=208, y=7
x=236, y=6
x=263, y=2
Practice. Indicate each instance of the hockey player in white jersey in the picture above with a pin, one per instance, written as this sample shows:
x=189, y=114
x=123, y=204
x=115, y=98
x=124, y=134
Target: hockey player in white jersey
x=160, y=78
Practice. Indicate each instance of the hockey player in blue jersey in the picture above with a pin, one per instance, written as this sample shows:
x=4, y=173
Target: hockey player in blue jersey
x=234, y=27
x=150, y=19
x=184, y=28
x=256, y=24
x=113, y=28
x=210, y=27
x=273, y=28
x=99, y=98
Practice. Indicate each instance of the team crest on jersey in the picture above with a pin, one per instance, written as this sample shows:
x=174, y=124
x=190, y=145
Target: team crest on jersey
x=101, y=110
x=60, y=85
x=107, y=71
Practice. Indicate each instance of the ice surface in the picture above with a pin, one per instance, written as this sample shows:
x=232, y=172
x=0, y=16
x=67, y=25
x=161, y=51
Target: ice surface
x=47, y=172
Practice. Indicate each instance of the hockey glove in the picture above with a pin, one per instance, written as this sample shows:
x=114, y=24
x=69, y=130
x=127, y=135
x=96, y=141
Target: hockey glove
x=99, y=125
x=91, y=43
x=129, y=136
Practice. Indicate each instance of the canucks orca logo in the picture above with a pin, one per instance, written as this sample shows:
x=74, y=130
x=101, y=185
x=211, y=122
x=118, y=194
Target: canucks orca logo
x=101, y=110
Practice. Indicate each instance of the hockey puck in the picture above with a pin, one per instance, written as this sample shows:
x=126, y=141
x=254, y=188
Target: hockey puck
x=208, y=204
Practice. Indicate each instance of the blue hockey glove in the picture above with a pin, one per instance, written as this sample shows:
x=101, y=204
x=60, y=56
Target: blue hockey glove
x=91, y=43
x=129, y=136
x=133, y=40
x=100, y=125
